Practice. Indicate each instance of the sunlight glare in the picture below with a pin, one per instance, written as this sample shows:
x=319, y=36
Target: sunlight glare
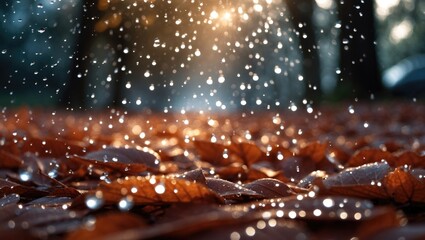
x=401, y=31
x=384, y=7
x=325, y=4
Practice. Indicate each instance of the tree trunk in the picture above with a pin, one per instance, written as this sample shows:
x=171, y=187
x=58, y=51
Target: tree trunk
x=75, y=95
x=302, y=18
x=360, y=76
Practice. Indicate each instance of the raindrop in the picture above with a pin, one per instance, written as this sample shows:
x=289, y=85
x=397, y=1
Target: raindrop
x=328, y=202
x=156, y=42
x=351, y=109
x=4, y=51
x=94, y=201
x=25, y=174
x=160, y=188
x=41, y=30
x=126, y=203
x=53, y=169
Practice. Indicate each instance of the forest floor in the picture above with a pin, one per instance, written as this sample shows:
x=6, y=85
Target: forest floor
x=341, y=172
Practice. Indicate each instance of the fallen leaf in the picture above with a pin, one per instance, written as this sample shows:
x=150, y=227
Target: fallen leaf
x=156, y=190
x=369, y=155
x=365, y=181
x=403, y=187
x=107, y=224
x=270, y=188
x=9, y=161
x=230, y=190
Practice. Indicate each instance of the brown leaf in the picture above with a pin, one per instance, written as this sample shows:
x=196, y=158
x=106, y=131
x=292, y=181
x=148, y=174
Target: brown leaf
x=308, y=180
x=107, y=224
x=33, y=216
x=248, y=152
x=99, y=167
x=156, y=190
x=296, y=168
x=9, y=161
x=212, y=152
x=368, y=155
x=230, y=190
x=403, y=187
x=413, y=231
x=409, y=158
x=48, y=147
x=126, y=155
x=194, y=176
x=270, y=188
x=365, y=181
x=25, y=192
x=315, y=151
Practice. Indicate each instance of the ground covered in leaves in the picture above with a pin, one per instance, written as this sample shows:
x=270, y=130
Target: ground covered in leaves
x=340, y=172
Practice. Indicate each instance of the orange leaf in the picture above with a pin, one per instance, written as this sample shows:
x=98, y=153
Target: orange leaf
x=157, y=190
x=212, y=152
x=404, y=187
x=108, y=224
x=366, y=156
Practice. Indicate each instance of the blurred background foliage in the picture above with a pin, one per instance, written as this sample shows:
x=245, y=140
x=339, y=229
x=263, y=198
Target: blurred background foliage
x=40, y=41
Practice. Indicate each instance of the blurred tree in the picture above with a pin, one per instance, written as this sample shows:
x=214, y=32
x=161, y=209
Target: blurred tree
x=359, y=74
x=302, y=19
x=95, y=21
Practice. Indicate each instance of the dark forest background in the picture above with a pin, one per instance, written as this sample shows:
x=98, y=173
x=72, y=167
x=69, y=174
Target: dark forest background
x=158, y=54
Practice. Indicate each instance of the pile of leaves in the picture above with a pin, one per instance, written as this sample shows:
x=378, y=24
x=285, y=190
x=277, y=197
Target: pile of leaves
x=336, y=173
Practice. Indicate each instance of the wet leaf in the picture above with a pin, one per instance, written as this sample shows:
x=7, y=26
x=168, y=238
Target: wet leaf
x=230, y=190
x=366, y=156
x=248, y=152
x=269, y=188
x=365, y=181
x=48, y=147
x=8, y=160
x=212, y=152
x=104, y=225
x=196, y=175
x=9, y=199
x=409, y=158
x=403, y=187
x=315, y=151
x=296, y=168
x=156, y=190
x=126, y=156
